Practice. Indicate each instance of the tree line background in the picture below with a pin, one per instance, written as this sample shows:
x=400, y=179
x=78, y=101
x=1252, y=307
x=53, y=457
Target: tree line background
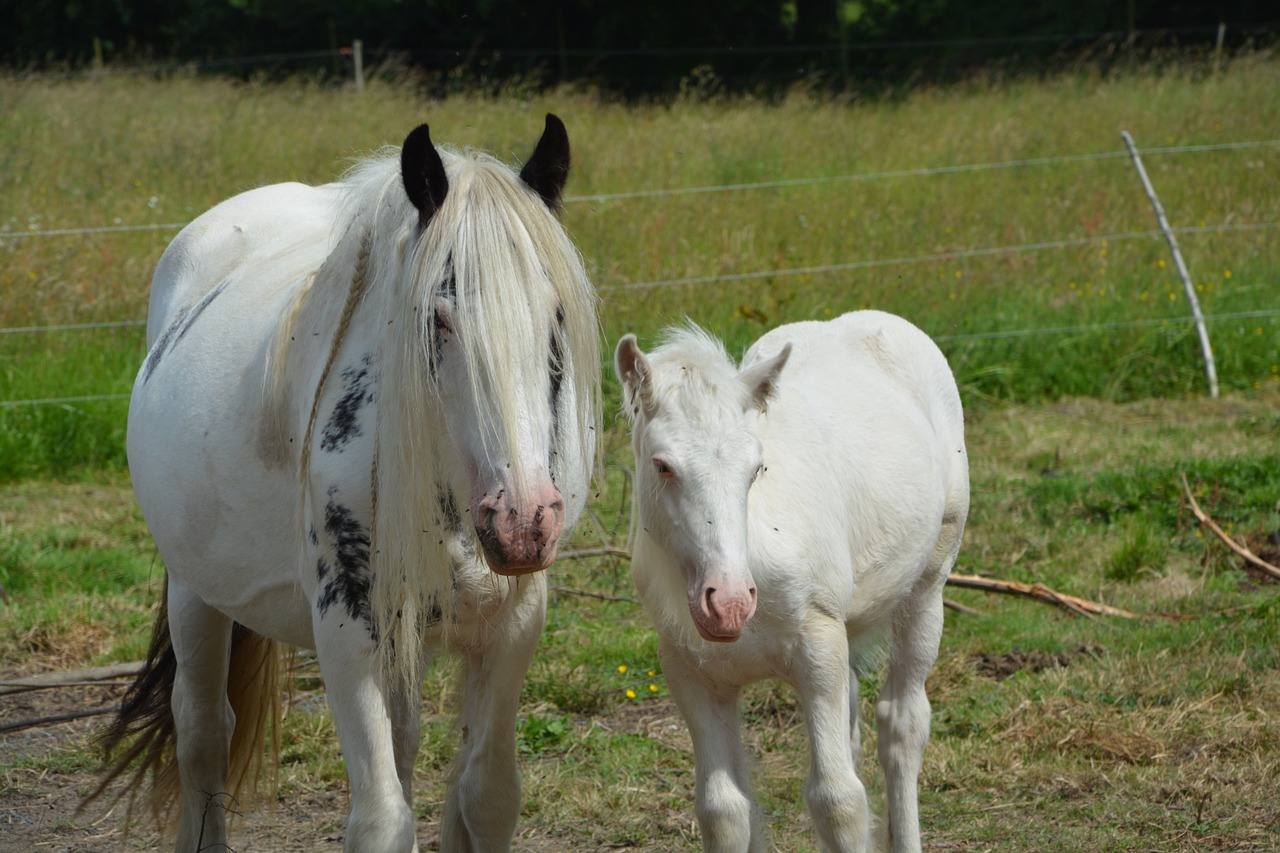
x=639, y=46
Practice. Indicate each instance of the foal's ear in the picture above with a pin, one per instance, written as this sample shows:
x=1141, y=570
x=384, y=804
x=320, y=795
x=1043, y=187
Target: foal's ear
x=762, y=379
x=633, y=371
x=548, y=168
x=422, y=172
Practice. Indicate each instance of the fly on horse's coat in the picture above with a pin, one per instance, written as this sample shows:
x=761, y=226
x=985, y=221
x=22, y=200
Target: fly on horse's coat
x=788, y=512
x=364, y=425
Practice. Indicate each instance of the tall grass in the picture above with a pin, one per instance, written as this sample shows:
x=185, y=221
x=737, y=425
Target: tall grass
x=140, y=151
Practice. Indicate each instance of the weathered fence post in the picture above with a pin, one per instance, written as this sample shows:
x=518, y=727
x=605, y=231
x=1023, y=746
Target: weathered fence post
x=357, y=54
x=1211, y=374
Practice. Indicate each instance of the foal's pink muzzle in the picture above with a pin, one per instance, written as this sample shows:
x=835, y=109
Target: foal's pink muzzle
x=519, y=535
x=721, y=606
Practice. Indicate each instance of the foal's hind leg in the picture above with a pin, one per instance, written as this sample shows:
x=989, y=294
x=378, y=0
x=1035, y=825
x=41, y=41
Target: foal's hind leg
x=902, y=709
x=203, y=719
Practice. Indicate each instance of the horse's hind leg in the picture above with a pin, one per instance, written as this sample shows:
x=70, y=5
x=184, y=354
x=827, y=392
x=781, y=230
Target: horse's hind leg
x=406, y=734
x=483, y=802
x=202, y=716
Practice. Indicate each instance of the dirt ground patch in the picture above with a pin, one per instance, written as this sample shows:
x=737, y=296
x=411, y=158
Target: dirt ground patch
x=38, y=811
x=1002, y=666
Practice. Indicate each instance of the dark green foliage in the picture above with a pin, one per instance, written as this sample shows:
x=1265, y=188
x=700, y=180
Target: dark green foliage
x=632, y=47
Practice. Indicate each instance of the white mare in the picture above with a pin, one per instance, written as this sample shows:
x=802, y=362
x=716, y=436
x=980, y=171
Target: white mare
x=789, y=513
x=365, y=422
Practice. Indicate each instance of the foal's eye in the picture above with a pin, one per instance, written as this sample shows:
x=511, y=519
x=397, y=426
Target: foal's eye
x=664, y=470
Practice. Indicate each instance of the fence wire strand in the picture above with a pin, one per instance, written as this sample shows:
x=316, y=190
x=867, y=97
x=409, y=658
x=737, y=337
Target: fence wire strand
x=764, y=274
x=923, y=172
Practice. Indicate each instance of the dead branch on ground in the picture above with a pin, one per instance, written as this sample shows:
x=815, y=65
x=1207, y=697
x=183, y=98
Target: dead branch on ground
x=1040, y=592
x=1203, y=518
x=91, y=677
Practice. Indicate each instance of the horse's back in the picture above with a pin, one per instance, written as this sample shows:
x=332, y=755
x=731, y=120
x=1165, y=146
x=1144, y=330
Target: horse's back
x=282, y=226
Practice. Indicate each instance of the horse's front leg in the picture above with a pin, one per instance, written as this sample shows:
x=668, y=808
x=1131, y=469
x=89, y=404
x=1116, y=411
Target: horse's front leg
x=727, y=816
x=483, y=803
x=836, y=797
x=380, y=820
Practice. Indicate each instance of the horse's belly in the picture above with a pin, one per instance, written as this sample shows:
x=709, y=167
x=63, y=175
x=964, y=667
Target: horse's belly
x=223, y=512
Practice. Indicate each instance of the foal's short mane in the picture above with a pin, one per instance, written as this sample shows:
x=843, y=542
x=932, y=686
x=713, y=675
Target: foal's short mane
x=690, y=359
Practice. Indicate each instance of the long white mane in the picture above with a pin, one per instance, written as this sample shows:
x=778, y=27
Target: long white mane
x=499, y=254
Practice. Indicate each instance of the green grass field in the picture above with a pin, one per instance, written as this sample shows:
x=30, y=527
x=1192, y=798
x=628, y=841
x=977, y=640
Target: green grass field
x=1080, y=373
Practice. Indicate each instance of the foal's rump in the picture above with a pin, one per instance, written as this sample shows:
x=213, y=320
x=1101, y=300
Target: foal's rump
x=860, y=346
x=864, y=436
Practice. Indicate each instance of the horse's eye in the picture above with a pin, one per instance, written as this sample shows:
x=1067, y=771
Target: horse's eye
x=444, y=322
x=664, y=470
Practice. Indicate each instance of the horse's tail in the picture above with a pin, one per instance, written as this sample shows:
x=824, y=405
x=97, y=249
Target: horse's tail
x=141, y=742
x=253, y=687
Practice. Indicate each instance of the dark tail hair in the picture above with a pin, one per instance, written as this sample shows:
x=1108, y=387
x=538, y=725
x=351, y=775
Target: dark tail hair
x=141, y=742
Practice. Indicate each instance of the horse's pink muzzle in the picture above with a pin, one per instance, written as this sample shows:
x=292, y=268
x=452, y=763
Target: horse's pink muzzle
x=722, y=606
x=519, y=536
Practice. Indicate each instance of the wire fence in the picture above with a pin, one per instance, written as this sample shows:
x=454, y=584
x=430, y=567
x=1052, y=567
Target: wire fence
x=935, y=257
x=792, y=183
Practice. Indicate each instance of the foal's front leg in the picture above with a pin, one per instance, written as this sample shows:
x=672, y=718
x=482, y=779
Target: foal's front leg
x=380, y=820
x=727, y=816
x=836, y=797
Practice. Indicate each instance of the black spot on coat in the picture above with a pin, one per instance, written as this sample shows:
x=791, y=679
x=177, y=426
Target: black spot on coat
x=350, y=580
x=344, y=421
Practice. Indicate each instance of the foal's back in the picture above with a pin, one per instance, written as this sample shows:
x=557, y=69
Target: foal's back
x=864, y=460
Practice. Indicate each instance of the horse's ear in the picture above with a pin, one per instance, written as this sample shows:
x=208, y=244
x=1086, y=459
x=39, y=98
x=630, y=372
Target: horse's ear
x=633, y=371
x=548, y=168
x=762, y=379
x=422, y=171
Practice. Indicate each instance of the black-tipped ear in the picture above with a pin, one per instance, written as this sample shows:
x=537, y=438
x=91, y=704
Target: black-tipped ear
x=422, y=171
x=548, y=168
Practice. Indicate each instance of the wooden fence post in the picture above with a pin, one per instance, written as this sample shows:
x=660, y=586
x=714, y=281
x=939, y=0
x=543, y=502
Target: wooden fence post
x=1211, y=374
x=357, y=54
